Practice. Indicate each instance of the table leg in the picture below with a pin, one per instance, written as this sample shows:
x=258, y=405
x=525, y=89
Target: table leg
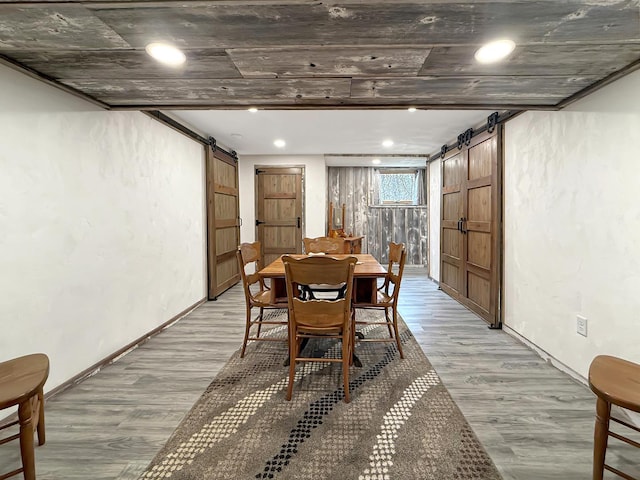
x=278, y=287
x=364, y=290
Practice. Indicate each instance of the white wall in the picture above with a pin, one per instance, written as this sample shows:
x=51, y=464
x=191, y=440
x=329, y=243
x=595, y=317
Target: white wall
x=101, y=226
x=314, y=185
x=572, y=226
x=435, y=198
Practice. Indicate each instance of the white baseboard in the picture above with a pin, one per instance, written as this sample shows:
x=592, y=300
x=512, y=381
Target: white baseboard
x=631, y=417
x=546, y=356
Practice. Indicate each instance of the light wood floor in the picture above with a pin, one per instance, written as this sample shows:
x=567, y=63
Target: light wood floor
x=535, y=421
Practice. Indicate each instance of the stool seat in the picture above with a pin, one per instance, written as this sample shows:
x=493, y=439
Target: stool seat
x=21, y=378
x=21, y=383
x=615, y=382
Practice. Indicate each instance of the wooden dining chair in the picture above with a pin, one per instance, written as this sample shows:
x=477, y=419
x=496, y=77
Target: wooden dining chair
x=323, y=245
x=386, y=297
x=327, y=245
x=615, y=382
x=309, y=318
x=21, y=384
x=256, y=294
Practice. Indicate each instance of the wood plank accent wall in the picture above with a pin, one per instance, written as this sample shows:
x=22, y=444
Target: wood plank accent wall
x=353, y=187
x=380, y=225
x=406, y=225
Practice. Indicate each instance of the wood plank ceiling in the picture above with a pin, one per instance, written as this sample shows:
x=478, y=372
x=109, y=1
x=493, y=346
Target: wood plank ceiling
x=303, y=54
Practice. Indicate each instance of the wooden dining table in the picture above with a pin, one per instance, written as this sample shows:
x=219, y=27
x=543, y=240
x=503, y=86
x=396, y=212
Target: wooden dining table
x=365, y=282
x=366, y=273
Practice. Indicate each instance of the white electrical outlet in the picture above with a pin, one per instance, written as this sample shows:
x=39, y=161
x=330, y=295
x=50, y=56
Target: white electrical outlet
x=581, y=325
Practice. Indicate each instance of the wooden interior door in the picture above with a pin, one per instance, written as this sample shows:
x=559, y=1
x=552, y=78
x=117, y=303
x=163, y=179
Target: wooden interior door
x=223, y=221
x=279, y=211
x=451, y=238
x=471, y=225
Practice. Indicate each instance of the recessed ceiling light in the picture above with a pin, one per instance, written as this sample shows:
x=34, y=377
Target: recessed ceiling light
x=387, y=143
x=412, y=109
x=253, y=109
x=165, y=53
x=375, y=161
x=237, y=136
x=495, y=51
x=279, y=143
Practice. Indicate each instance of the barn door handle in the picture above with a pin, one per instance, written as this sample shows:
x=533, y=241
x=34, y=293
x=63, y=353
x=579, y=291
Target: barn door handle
x=460, y=225
x=298, y=222
x=462, y=229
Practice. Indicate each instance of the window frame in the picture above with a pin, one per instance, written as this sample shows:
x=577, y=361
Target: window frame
x=396, y=171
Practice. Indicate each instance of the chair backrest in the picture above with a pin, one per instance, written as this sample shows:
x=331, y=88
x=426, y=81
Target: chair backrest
x=249, y=253
x=318, y=315
x=324, y=245
x=397, y=259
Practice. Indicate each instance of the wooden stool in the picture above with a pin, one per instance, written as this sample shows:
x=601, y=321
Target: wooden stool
x=614, y=381
x=21, y=382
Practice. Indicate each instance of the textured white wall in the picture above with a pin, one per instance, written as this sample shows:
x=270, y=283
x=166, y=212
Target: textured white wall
x=435, y=199
x=572, y=226
x=101, y=226
x=314, y=185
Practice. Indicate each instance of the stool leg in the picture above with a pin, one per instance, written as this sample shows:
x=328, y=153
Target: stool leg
x=600, y=437
x=41, y=435
x=26, y=440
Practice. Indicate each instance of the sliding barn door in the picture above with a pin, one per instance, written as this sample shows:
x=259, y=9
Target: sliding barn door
x=279, y=211
x=471, y=225
x=223, y=221
x=451, y=239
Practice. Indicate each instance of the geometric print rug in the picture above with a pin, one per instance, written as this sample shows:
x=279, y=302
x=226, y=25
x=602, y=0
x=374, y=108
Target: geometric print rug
x=401, y=422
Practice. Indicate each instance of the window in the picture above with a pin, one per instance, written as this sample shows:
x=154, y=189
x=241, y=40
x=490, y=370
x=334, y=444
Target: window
x=400, y=187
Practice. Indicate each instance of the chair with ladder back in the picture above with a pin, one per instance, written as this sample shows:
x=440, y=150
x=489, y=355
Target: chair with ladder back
x=386, y=298
x=257, y=295
x=312, y=318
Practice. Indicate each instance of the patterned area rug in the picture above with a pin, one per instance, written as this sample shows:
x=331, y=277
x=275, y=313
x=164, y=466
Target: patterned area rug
x=401, y=422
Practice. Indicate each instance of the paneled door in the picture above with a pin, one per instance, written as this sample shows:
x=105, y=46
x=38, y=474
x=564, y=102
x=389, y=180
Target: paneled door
x=471, y=225
x=223, y=223
x=451, y=239
x=279, y=211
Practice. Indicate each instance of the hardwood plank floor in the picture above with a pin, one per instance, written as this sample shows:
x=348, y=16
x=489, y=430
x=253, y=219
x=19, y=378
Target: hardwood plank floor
x=535, y=421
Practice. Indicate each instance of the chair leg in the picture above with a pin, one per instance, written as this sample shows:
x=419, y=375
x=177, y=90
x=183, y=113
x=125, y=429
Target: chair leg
x=352, y=333
x=293, y=353
x=41, y=434
x=26, y=440
x=395, y=327
x=600, y=437
x=246, y=332
x=388, y=319
x=260, y=322
x=346, y=360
